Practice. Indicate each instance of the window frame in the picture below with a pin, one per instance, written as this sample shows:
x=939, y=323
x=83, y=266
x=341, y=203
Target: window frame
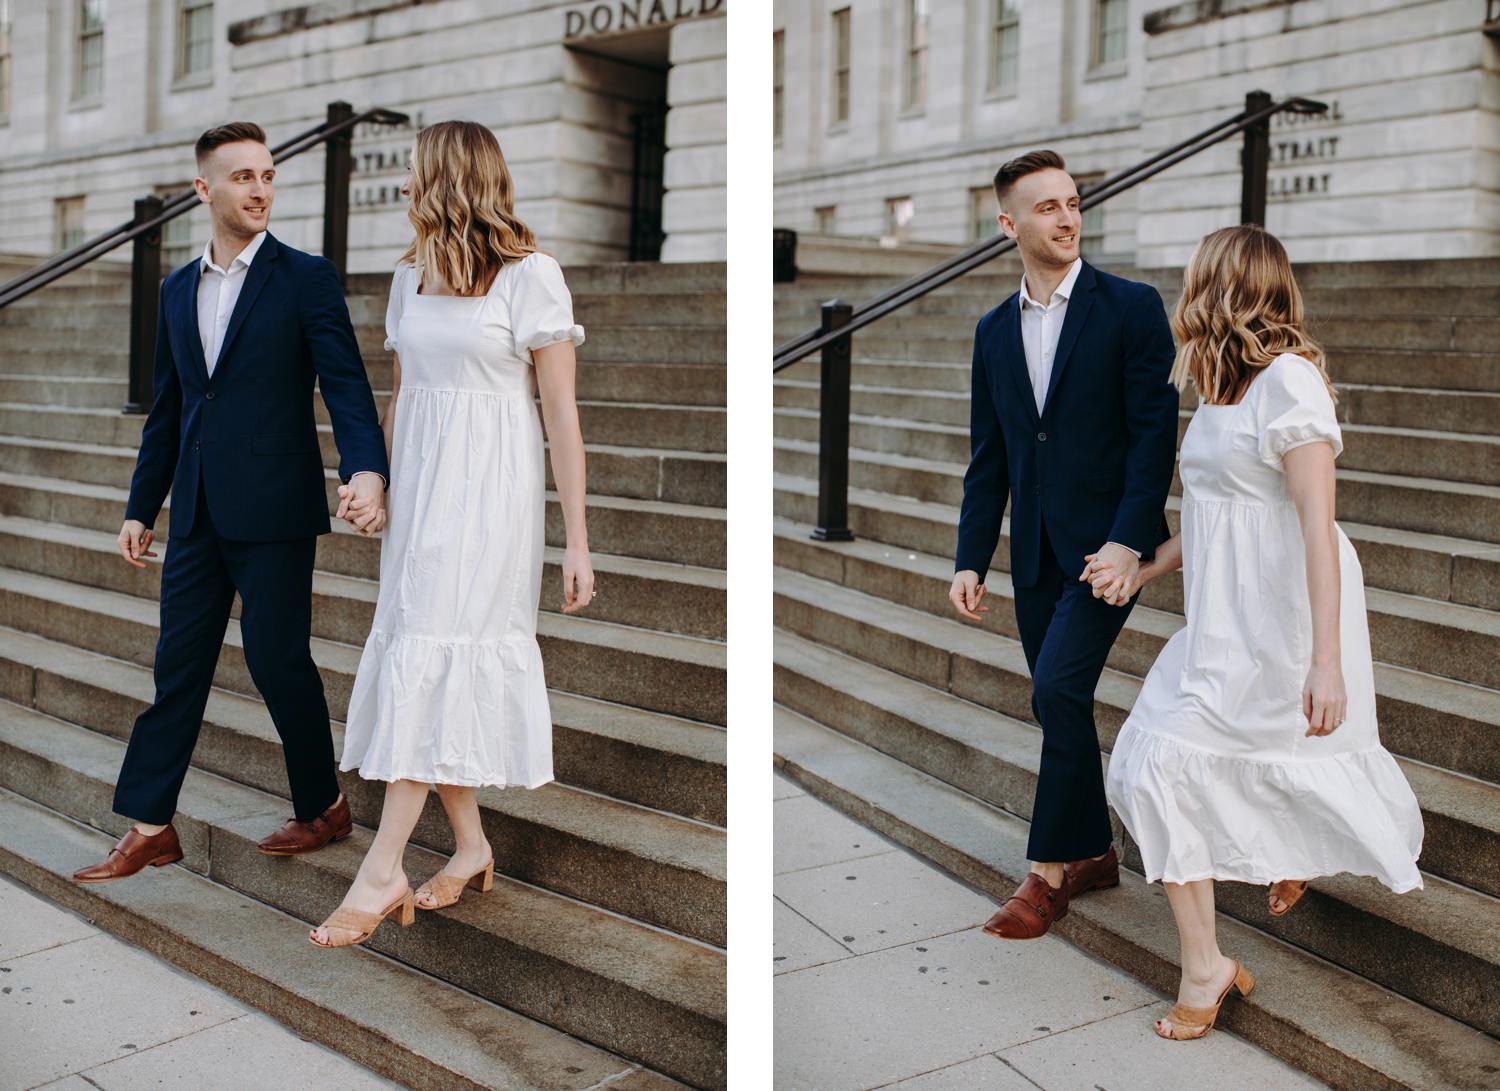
x=778, y=84
x=1100, y=66
x=61, y=232
x=841, y=70
x=87, y=35
x=915, y=68
x=1000, y=23
x=181, y=73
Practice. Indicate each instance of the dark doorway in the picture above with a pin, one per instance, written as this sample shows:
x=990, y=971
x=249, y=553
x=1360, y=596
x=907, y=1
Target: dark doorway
x=647, y=183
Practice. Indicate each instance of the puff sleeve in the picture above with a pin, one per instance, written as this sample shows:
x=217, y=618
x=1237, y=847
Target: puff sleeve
x=541, y=309
x=1296, y=410
x=394, y=305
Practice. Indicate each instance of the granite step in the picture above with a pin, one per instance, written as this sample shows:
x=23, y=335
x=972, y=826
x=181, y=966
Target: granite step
x=405, y=1024
x=1445, y=640
x=86, y=484
x=1428, y=565
x=632, y=989
x=1460, y=457
x=648, y=864
x=1333, y=1024
x=1422, y=504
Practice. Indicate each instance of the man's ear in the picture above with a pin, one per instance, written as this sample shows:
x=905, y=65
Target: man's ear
x=200, y=185
x=1007, y=224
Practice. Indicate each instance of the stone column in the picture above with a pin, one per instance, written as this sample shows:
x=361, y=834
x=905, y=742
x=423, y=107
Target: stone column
x=694, y=208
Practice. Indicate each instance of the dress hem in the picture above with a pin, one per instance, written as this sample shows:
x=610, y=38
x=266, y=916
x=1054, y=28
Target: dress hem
x=389, y=777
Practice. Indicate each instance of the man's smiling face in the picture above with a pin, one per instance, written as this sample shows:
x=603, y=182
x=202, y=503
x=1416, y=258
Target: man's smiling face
x=238, y=184
x=1041, y=213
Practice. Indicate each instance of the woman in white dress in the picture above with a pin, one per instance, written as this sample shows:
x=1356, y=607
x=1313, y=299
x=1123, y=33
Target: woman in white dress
x=1252, y=754
x=449, y=690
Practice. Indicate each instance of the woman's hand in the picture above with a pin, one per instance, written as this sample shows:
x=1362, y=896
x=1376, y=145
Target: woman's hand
x=1111, y=585
x=577, y=578
x=1324, y=702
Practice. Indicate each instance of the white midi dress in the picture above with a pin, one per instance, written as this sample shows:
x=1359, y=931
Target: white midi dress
x=450, y=687
x=1213, y=773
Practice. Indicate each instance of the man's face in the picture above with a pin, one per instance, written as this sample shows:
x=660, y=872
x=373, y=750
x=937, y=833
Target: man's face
x=238, y=184
x=1041, y=213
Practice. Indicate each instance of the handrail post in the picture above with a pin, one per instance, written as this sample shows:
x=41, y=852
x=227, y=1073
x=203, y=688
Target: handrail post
x=145, y=295
x=1255, y=162
x=833, y=429
x=338, y=169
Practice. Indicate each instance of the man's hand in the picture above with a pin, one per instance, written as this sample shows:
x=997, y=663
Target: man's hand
x=362, y=503
x=966, y=594
x=1114, y=572
x=135, y=542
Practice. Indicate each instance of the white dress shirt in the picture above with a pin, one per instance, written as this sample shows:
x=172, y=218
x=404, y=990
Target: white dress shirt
x=218, y=290
x=1041, y=327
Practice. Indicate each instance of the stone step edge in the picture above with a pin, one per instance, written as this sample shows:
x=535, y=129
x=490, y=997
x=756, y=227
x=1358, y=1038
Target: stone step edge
x=627, y=841
x=1473, y=619
x=957, y=469
x=948, y=515
x=1015, y=743
x=668, y=735
x=1367, y=1048
x=49, y=739
x=326, y=1005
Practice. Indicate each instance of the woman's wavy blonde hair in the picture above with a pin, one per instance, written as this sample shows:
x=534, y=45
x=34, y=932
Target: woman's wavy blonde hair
x=463, y=208
x=1239, y=309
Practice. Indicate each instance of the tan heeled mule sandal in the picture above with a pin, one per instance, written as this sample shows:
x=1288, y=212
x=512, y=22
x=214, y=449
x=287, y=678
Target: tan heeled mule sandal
x=446, y=889
x=1185, y=1018
x=358, y=926
x=1288, y=892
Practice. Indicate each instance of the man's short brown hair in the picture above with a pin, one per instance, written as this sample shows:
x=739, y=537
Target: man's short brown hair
x=233, y=133
x=1012, y=172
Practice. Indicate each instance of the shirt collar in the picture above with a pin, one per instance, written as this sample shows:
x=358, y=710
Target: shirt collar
x=1063, y=291
x=244, y=257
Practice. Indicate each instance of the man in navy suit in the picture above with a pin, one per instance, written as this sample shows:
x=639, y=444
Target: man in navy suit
x=242, y=335
x=1073, y=419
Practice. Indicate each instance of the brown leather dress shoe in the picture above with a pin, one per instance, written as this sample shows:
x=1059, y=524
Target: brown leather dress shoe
x=294, y=838
x=1086, y=875
x=131, y=853
x=1030, y=910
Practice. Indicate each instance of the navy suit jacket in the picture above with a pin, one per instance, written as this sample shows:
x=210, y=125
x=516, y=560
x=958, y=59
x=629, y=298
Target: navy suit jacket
x=249, y=433
x=1096, y=464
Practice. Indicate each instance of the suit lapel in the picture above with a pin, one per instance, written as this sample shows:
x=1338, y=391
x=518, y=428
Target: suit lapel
x=1078, y=310
x=255, y=280
x=1013, y=355
x=186, y=317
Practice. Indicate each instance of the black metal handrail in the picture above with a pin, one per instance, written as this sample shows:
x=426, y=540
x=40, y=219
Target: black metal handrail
x=840, y=320
x=143, y=231
x=1258, y=110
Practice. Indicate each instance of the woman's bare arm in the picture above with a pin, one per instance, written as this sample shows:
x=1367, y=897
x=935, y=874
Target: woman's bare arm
x=556, y=370
x=1310, y=481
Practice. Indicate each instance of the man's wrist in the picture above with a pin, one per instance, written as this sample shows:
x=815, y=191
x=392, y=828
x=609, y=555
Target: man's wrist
x=1125, y=547
x=373, y=473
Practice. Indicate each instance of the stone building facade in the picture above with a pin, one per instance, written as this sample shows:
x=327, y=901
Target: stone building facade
x=892, y=116
x=611, y=114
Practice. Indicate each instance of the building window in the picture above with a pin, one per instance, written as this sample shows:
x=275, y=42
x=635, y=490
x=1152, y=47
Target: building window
x=899, y=213
x=88, y=81
x=176, y=234
x=68, y=215
x=916, y=52
x=1091, y=228
x=1109, y=32
x=826, y=219
x=195, y=36
x=983, y=210
x=1005, y=47
x=841, y=66
x=778, y=83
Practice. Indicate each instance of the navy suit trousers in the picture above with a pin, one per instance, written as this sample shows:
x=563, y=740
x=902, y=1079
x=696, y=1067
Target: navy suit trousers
x=1067, y=634
x=200, y=576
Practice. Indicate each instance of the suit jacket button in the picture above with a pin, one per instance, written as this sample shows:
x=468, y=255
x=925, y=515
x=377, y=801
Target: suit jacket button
x=197, y=444
x=209, y=395
x=1041, y=436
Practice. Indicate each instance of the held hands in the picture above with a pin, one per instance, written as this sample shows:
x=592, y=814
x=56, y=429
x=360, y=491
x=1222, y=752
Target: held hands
x=362, y=503
x=966, y=595
x=1324, y=702
x=1115, y=574
x=135, y=542
x=577, y=579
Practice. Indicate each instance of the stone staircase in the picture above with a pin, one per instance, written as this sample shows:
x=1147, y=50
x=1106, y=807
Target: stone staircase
x=599, y=956
x=919, y=724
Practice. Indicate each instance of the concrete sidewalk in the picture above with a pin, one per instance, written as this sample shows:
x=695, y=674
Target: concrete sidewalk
x=884, y=979
x=83, y=1011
